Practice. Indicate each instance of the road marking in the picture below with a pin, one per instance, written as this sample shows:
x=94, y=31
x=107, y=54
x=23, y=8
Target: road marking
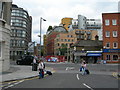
x=23, y=79
x=70, y=68
x=78, y=77
x=66, y=68
x=14, y=84
x=87, y=86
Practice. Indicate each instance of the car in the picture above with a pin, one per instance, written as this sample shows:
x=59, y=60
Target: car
x=25, y=60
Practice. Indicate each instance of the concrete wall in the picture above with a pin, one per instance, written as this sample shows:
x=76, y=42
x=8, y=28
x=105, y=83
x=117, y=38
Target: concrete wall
x=5, y=36
x=5, y=42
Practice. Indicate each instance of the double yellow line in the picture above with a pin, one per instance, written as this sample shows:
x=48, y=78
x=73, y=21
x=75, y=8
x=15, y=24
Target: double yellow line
x=20, y=80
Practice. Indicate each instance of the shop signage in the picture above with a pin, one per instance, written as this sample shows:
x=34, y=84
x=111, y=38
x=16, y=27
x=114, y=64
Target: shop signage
x=111, y=50
x=79, y=54
x=94, y=54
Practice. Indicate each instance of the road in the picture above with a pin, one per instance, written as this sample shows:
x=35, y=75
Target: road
x=68, y=76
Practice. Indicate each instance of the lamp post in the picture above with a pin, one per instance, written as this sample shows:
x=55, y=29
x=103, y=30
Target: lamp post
x=40, y=32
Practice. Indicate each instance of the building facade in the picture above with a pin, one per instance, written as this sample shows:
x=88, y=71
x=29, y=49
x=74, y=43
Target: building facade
x=66, y=22
x=65, y=40
x=51, y=35
x=45, y=45
x=21, y=25
x=88, y=50
x=111, y=37
x=82, y=22
x=5, y=16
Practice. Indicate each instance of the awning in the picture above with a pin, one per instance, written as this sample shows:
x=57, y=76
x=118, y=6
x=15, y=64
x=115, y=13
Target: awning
x=94, y=54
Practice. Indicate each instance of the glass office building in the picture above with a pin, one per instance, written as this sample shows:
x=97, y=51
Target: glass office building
x=21, y=24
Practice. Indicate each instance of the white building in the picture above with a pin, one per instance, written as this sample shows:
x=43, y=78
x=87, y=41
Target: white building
x=81, y=22
x=5, y=15
x=90, y=24
x=95, y=24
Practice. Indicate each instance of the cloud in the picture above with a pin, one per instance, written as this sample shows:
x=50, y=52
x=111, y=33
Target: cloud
x=54, y=10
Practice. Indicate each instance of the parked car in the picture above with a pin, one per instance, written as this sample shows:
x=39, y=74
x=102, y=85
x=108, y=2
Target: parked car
x=25, y=60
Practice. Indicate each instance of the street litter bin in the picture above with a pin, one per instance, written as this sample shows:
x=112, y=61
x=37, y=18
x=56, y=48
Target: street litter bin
x=34, y=66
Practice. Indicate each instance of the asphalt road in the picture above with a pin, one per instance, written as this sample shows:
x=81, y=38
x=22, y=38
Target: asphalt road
x=68, y=76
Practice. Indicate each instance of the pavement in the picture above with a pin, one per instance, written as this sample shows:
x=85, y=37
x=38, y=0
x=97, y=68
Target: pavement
x=17, y=72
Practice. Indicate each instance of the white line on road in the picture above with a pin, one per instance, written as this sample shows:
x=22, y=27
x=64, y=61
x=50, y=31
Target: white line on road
x=14, y=84
x=87, y=86
x=78, y=77
x=66, y=68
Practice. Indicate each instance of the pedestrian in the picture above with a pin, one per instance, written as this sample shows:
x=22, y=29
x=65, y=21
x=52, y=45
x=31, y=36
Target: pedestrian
x=41, y=69
x=83, y=66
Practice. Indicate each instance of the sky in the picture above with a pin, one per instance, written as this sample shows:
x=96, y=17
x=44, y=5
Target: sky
x=54, y=10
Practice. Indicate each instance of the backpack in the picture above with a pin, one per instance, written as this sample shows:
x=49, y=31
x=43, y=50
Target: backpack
x=87, y=71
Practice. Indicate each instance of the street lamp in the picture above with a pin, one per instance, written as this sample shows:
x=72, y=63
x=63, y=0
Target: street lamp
x=40, y=32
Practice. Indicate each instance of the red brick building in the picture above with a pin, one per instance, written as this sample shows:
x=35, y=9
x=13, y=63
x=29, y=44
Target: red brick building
x=50, y=42
x=111, y=37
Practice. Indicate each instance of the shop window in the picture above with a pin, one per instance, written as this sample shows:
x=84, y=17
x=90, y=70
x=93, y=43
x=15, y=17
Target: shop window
x=115, y=57
x=107, y=57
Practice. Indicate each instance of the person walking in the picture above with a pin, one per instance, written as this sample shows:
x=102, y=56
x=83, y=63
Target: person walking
x=40, y=68
x=83, y=65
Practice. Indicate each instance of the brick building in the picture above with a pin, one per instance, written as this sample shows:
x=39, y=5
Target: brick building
x=111, y=37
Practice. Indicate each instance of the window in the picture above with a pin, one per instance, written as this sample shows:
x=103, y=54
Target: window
x=107, y=57
x=61, y=40
x=68, y=40
x=114, y=22
x=107, y=45
x=115, y=57
x=65, y=40
x=114, y=33
x=115, y=45
x=107, y=22
x=67, y=35
x=1, y=9
x=107, y=34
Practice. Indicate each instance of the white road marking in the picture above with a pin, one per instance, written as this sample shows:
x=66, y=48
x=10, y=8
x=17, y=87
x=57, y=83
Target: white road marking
x=66, y=68
x=18, y=82
x=70, y=68
x=78, y=77
x=14, y=84
x=87, y=86
x=9, y=86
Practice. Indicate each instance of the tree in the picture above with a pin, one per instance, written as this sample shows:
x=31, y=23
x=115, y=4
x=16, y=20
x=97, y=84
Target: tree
x=63, y=49
x=49, y=28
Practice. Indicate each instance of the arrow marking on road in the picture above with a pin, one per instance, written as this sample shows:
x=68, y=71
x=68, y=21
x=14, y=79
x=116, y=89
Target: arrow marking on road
x=87, y=86
x=78, y=77
x=66, y=68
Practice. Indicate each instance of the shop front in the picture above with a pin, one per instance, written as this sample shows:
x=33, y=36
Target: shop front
x=94, y=56
x=79, y=56
x=111, y=55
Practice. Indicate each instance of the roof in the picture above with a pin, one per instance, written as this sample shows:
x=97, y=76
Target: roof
x=88, y=43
